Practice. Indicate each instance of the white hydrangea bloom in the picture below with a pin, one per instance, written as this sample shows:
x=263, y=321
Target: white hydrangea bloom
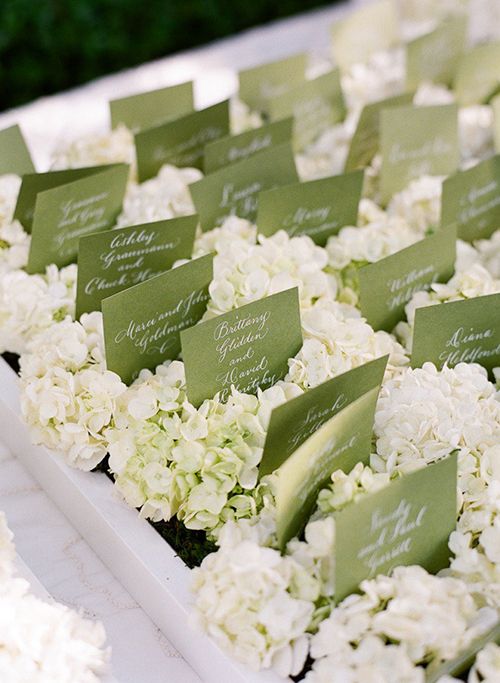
x=14, y=246
x=327, y=155
x=419, y=204
x=256, y=604
x=14, y=241
x=41, y=642
x=426, y=616
x=381, y=77
x=372, y=661
x=165, y=196
x=68, y=397
x=233, y=236
x=9, y=189
x=30, y=304
x=431, y=94
x=242, y=117
x=337, y=339
x=471, y=282
x=169, y=458
x=245, y=272
x=489, y=254
x=487, y=665
x=355, y=247
x=475, y=126
x=96, y=149
x=423, y=414
x=347, y=488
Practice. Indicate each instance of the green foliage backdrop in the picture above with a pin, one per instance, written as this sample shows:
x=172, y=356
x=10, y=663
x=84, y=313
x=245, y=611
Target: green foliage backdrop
x=51, y=45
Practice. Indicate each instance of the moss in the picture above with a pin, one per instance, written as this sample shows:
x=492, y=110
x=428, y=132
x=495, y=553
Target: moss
x=191, y=546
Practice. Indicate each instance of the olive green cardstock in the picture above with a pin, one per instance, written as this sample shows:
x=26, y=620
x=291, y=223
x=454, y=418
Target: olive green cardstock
x=407, y=522
x=471, y=199
x=339, y=443
x=66, y=213
x=370, y=29
x=460, y=664
x=296, y=420
x=233, y=148
x=148, y=109
x=14, y=153
x=261, y=83
x=33, y=183
x=117, y=259
x=385, y=287
x=495, y=103
x=318, y=208
x=233, y=190
x=434, y=57
x=142, y=324
x=315, y=105
x=366, y=139
x=478, y=74
x=180, y=142
x=466, y=331
x=247, y=348
x=417, y=141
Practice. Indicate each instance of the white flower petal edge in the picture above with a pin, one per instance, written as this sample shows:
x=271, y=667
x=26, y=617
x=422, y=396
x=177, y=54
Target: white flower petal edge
x=42, y=642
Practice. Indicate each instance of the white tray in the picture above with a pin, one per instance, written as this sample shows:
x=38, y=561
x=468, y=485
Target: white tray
x=136, y=554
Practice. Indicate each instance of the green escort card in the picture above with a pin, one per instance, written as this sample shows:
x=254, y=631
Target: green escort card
x=180, y=142
x=315, y=105
x=478, y=74
x=339, y=443
x=495, y=103
x=117, y=259
x=434, y=57
x=417, y=141
x=66, y=213
x=318, y=208
x=33, y=183
x=247, y=348
x=14, y=153
x=142, y=324
x=296, y=420
x=233, y=190
x=460, y=664
x=466, y=331
x=366, y=139
x=234, y=148
x=407, y=522
x=152, y=108
x=471, y=199
x=385, y=287
x=368, y=30
x=261, y=83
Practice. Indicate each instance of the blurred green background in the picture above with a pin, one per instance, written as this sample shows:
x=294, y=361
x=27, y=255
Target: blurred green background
x=51, y=45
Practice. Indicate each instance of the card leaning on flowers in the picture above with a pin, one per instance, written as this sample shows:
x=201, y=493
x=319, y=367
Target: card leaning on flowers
x=253, y=352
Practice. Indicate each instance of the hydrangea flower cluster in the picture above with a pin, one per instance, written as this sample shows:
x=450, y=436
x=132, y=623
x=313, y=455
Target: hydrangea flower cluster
x=68, y=396
x=469, y=283
x=162, y=197
x=113, y=147
x=14, y=241
x=31, y=304
x=424, y=413
x=406, y=619
x=246, y=271
x=42, y=642
x=281, y=598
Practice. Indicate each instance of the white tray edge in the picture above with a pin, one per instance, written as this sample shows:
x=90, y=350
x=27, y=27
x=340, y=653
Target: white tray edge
x=134, y=552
